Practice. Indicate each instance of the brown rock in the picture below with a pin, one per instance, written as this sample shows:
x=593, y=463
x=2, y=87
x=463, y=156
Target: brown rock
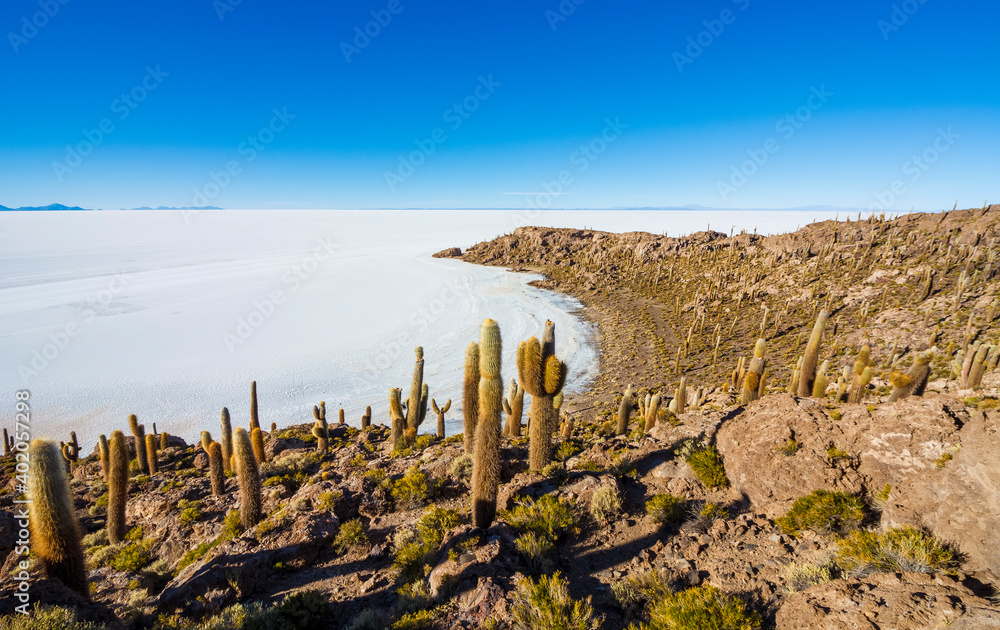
x=451, y=252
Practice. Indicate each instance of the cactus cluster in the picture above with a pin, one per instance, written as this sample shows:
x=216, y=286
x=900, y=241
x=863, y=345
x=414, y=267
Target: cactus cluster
x=321, y=430
x=139, y=434
x=542, y=375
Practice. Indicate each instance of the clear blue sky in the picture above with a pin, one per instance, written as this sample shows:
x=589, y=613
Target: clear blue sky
x=543, y=78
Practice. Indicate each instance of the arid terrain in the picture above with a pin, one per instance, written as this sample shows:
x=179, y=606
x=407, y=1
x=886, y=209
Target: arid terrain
x=733, y=498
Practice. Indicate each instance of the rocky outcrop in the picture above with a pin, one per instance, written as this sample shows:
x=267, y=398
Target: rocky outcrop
x=901, y=601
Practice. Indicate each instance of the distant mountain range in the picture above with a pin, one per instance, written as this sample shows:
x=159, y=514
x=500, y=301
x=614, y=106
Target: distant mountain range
x=59, y=206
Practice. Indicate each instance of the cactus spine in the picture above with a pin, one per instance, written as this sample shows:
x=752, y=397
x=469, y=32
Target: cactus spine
x=215, y=471
x=227, y=440
x=440, y=411
x=320, y=428
x=139, y=433
x=807, y=374
x=625, y=411
x=752, y=380
x=248, y=475
x=117, y=487
x=416, y=404
x=470, y=397
x=55, y=531
x=257, y=443
x=102, y=449
x=151, y=454
x=513, y=406
x=863, y=374
x=542, y=375
x=254, y=420
x=486, y=462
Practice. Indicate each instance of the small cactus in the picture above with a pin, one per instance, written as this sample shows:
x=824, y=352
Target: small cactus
x=366, y=420
x=650, y=410
x=440, y=411
x=979, y=366
x=822, y=380
x=470, y=397
x=274, y=425
x=164, y=440
x=916, y=379
x=340, y=420
x=398, y=435
x=206, y=439
x=680, y=397
x=248, y=475
x=6, y=442
x=807, y=374
x=151, y=454
x=102, y=450
x=257, y=443
x=542, y=375
x=254, y=420
x=752, y=379
x=486, y=462
x=625, y=411
x=863, y=373
x=513, y=406
x=55, y=530
x=139, y=433
x=215, y=469
x=117, y=487
x=320, y=429
x=227, y=440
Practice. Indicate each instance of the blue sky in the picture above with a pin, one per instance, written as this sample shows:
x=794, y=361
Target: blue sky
x=251, y=104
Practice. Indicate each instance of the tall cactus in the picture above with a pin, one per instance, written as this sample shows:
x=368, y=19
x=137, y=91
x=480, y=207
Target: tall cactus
x=254, y=420
x=340, y=417
x=470, y=397
x=650, y=410
x=206, y=439
x=215, y=470
x=366, y=420
x=542, y=375
x=257, y=442
x=398, y=435
x=486, y=462
x=227, y=440
x=822, y=380
x=625, y=411
x=6, y=442
x=513, y=406
x=117, y=487
x=679, y=403
x=416, y=404
x=321, y=429
x=164, y=440
x=807, y=374
x=139, y=433
x=102, y=450
x=55, y=530
x=751, y=382
x=979, y=366
x=151, y=453
x=916, y=379
x=248, y=476
x=440, y=411
x=863, y=373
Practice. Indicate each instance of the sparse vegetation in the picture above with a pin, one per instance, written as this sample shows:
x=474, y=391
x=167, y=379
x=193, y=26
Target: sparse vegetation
x=802, y=576
x=605, y=504
x=828, y=513
x=549, y=517
x=707, y=464
x=412, y=490
x=666, y=508
x=351, y=536
x=894, y=550
x=702, y=608
x=547, y=605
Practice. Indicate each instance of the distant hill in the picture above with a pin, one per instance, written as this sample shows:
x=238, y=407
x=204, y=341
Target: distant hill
x=176, y=208
x=53, y=206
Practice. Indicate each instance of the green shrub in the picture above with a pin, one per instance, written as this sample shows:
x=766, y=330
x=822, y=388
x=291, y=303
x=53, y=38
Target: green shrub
x=412, y=490
x=895, y=550
x=707, y=464
x=194, y=555
x=100, y=506
x=801, y=576
x=231, y=526
x=556, y=472
x=549, y=517
x=420, y=620
x=305, y=610
x=190, y=515
x=423, y=441
x=547, y=605
x=46, y=618
x=713, y=511
x=327, y=501
x=824, y=513
x=535, y=551
x=701, y=608
x=351, y=536
x=640, y=589
x=834, y=454
x=666, y=508
x=414, y=550
x=605, y=504
x=132, y=556
x=789, y=448
x=461, y=469
x=565, y=450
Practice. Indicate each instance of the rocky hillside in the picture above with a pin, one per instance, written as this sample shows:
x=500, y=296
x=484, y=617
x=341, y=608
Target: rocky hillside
x=716, y=489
